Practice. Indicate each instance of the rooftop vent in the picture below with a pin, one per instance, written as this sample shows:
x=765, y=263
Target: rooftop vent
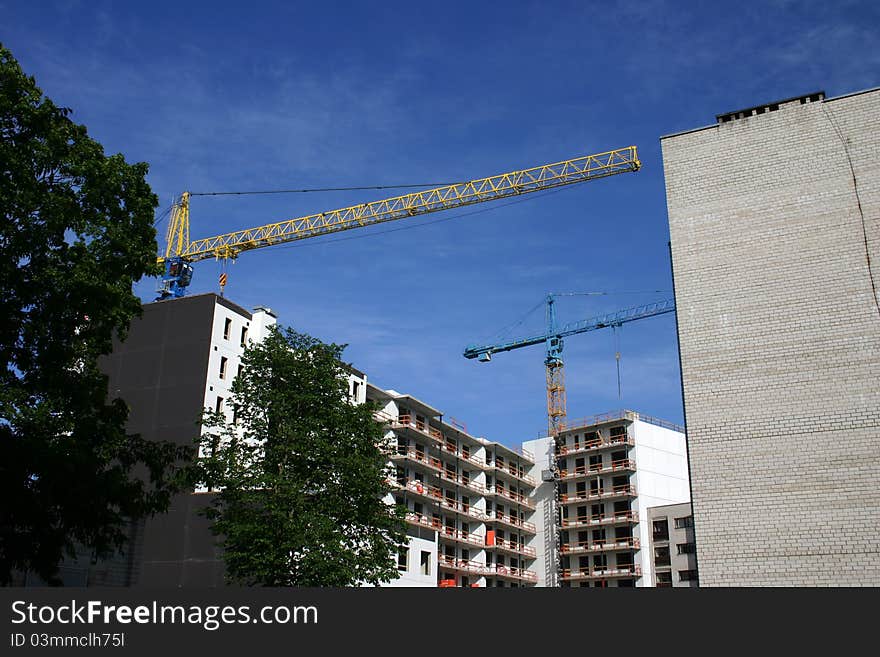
x=770, y=107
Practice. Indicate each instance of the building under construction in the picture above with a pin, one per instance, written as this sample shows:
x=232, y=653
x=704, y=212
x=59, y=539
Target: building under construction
x=469, y=501
x=599, y=477
x=476, y=510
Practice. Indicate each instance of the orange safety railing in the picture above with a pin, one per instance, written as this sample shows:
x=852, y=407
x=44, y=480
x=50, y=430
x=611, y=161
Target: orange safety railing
x=514, y=546
x=526, y=454
x=423, y=521
x=408, y=422
x=417, y=487
x=518, y=573
x=598, y=468
x=452, y=534
x=471, y=566
x=464, y=565
x=466, y=509
x=472, y=458
x=594, y=444
x=602, y=493
x=384, y=417
x=603, y=572
x=512, y=520
x=593, y=420
x=416, y=455
x=624, y=543
x=616, y=518
x=469, y=483
x=513, y=471
x=519, y=498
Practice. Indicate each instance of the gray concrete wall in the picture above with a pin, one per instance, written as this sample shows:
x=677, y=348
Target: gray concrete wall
x=780, y=341
x=160, y=372
x=680, y=564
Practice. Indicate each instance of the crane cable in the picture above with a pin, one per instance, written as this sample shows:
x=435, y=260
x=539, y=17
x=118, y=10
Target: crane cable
x=324, y=189
x=617, y=355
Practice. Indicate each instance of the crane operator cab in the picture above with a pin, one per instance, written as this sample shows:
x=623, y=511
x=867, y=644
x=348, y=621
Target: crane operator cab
x=178, y=275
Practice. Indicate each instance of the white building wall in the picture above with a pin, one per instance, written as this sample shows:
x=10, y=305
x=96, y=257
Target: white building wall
x=661, y=478
x=546, y=562
x=230, y=345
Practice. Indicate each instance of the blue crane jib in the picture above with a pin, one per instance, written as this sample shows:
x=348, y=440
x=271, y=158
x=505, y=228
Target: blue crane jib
x=553, y=335
x=552, y=338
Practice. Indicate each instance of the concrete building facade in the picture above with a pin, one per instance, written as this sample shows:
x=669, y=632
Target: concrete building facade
x=673, y=547
x=179, y=358
x=774, y=218
x=469, y=500
x=591, y=508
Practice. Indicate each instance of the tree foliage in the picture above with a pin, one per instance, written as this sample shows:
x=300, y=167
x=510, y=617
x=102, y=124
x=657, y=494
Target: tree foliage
x=76, y=232
x=301, y=473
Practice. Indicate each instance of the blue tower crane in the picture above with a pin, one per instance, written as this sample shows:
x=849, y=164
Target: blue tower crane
x=552, y=339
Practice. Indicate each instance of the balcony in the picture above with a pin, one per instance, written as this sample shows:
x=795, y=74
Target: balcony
x=421, y=520
x=602, y=572
x=416, y=456
x=419, y=489
x=420, y=428
x=511, y=547
x=608, y=545
x=463, y=509
x=510, y=470
x=459, y=481
x=449, y=448
x=520, y=499
x=623, y=465
x=511, y=521
x=619, y=518
x=450, y=535
x=577, y=448
x=516, y=574
x=594, y=445
x=464, y=566
x=595, y=420
x=626, y=490
x=448, y=563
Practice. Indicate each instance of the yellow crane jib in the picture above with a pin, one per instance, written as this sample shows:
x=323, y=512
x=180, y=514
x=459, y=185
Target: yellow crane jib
x=181, y=250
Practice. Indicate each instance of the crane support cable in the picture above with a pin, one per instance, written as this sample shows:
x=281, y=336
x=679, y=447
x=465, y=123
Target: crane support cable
x=617, y=318
x=317, y=189
x=501, y=186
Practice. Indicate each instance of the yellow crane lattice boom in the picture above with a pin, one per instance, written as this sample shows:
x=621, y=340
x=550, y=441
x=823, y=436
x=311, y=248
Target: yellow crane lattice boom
x=504, y=185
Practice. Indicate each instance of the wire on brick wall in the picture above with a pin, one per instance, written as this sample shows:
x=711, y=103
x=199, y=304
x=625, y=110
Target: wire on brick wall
x=852, y=170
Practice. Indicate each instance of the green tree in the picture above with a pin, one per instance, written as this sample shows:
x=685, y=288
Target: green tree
x=300, y=473
x=76, y=232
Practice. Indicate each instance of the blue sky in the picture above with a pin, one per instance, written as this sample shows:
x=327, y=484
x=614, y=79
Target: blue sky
x=223, y=96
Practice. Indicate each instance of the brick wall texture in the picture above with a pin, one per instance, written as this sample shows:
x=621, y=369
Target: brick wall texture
x=779, y=334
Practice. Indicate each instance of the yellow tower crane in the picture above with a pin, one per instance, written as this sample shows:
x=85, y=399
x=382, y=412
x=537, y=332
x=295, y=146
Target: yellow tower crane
x=180, y=251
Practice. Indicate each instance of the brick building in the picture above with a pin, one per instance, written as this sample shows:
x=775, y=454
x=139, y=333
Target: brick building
x=774, y=216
